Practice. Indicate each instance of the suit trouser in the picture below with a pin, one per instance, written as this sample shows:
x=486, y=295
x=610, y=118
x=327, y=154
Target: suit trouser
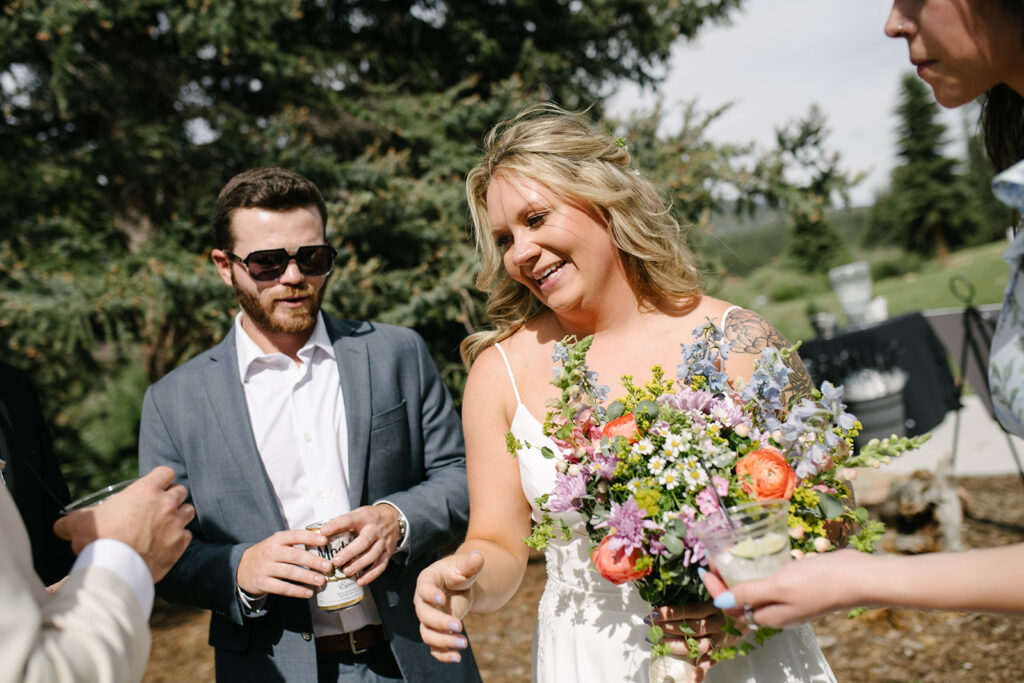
x=374, y=665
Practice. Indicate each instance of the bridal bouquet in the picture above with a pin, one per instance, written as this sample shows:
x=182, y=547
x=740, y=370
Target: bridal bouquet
x=643, y=468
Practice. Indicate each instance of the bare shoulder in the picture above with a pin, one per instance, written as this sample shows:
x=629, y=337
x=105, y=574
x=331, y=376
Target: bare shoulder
x=749, y=333
x=487, y=374
x=709, y=309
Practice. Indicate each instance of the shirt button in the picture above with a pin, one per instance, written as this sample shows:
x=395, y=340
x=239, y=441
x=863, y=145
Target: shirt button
x=307, y=636
x=320, y=494
x=307, y=437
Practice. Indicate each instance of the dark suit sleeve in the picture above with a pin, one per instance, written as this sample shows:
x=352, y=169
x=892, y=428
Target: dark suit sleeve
x=33, y=474
x=205, y=574
x=437, y=508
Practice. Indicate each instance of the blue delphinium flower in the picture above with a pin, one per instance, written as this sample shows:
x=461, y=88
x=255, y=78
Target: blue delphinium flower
x=704, y=358
x=769, y=379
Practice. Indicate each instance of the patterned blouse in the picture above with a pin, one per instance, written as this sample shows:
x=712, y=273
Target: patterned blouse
x=1006, y=362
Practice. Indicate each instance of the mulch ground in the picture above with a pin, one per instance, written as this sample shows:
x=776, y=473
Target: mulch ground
x=884, y=645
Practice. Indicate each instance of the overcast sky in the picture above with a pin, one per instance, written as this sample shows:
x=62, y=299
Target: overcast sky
x=780, y=56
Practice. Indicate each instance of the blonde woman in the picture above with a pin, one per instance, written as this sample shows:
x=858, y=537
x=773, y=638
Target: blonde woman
x=574, y=242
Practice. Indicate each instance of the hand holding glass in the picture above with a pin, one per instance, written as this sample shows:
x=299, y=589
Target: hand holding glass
x=753, y=546
x=96, y=497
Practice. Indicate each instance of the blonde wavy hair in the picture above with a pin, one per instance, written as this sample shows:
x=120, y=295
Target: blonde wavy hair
x=562, y=151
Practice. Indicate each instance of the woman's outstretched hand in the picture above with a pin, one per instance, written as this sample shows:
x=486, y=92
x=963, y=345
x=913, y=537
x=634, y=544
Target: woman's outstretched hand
x=443, y=597
x=799, y=591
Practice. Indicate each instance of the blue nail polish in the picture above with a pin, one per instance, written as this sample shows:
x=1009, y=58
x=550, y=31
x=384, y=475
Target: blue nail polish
x=725, y=600
x=438, y=600
x=701, y=572
x=460, y=643
x=453, y=626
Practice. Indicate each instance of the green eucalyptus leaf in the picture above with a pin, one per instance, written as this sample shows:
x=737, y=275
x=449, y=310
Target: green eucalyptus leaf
x=648, y=409
x=673, y=544
x=830, y=506
x=677, y=527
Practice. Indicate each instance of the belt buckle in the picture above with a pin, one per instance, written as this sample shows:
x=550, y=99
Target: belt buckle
x=352, y=643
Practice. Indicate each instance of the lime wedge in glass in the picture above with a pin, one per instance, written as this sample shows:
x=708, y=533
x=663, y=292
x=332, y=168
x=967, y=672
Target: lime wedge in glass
x=749, y=548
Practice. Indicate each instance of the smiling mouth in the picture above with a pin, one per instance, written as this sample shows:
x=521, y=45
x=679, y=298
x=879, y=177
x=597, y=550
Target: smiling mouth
x=542, y=278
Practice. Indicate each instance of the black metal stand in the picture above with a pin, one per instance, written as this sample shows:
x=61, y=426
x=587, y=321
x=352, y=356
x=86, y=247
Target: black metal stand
x=977, y=340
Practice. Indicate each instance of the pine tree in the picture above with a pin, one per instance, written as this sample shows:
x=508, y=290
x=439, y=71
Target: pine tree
x=928, y=207
x=122, y=118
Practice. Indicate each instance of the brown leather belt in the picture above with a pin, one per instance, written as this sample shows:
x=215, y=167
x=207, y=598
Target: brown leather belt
x=355, y=642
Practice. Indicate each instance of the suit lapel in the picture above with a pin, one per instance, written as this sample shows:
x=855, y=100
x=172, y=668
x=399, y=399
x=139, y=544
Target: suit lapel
x=354, y=373
x=231, y=414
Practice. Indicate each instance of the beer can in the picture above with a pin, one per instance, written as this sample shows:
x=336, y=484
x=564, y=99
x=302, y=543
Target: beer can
x=339, y=592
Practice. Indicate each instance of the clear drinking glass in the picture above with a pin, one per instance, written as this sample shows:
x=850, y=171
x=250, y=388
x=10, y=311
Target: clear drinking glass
x=96, y=497
x=753, y=546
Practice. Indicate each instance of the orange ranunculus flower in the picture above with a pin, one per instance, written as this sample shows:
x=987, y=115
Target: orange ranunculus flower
x=616, y=565
x=622, y=426
x=765, y=474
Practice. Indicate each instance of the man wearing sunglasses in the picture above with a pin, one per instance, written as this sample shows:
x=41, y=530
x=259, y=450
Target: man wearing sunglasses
x=299, y=418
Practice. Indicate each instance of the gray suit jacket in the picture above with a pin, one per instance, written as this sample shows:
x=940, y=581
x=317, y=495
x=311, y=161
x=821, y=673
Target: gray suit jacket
x=405, y=444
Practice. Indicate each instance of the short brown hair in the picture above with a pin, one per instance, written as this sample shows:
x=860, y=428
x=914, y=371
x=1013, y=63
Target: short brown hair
x=267, y=187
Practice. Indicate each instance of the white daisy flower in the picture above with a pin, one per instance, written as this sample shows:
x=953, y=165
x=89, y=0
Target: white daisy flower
x=661, y=429
x=693, y=474
x=675, y=444
x=643, y=447
x=670, y=478
x=656, y=464
x=634, y=485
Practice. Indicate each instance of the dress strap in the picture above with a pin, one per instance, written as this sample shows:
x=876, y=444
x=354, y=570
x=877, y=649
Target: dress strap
x=727, y=312
x=508, y=367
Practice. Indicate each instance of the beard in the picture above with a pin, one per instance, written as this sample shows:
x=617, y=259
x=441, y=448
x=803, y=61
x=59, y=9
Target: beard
x=274, y=320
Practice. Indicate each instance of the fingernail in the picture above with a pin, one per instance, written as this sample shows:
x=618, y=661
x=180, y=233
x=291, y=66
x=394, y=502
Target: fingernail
x=701, y=572
x=460, y=643
x=438, y=600
x=453, y=626
x=725, y=600
x=454, y=657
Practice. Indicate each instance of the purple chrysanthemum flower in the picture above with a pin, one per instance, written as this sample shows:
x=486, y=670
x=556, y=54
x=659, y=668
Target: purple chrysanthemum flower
x=727, y=411
x=627, y=526
x=603, y=464
x=688, y=400
x=568, y=492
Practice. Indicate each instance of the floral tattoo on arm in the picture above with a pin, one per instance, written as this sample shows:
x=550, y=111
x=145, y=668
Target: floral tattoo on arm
x=749, y=333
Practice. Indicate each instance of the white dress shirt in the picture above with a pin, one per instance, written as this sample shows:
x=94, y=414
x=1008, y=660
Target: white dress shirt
x=297, y=412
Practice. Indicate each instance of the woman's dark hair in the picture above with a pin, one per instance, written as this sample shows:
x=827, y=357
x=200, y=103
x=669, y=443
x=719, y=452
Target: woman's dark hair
x=1002, y=110
x=1002, y=126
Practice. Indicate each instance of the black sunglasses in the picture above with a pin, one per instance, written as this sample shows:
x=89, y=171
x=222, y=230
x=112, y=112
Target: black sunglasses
x=270, y=264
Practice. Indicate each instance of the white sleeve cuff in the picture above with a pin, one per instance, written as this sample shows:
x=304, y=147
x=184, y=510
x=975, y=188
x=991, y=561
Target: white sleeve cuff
x=121, y=559
x=252, y=606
